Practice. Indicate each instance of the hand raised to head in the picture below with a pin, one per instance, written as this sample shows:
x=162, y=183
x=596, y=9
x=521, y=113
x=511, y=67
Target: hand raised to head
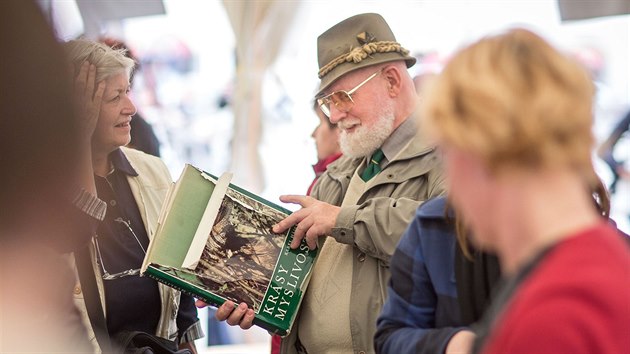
x=88, y=98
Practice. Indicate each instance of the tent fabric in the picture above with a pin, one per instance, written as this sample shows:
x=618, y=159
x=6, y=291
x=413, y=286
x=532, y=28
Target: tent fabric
x=260, y=28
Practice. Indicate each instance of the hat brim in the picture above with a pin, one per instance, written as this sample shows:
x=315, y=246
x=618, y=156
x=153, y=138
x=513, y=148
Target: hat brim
x=349, y=67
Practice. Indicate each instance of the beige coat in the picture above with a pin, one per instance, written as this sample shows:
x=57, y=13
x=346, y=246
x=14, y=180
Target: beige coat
x=374, y=227
x=149, y=190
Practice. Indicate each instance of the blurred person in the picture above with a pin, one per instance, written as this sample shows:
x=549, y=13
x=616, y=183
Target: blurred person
x=47, y=206
x=361, y=205
x=326, y=136
x=513, y=117
x=420, y=81
x=614, y=152
x=134, y=184
x=143, y=137
x=441, y=284
x=607, y=148
x=608, y=106
x=429, y=65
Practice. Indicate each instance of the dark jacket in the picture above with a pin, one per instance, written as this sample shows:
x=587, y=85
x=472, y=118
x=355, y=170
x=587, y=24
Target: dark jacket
x=423, y=310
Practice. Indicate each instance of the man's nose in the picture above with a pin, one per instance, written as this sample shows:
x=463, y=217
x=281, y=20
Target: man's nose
x=335, y=114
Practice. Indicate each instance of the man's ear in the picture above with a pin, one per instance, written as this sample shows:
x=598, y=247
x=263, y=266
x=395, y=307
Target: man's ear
x=394, y=80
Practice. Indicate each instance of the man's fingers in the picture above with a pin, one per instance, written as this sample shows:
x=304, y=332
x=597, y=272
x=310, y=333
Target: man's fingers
x=290, y=220
x=312, y=236
x=303, y=218
x=302, y=200
x=300, y=231
x=224, y=311
x=237, y=315
x=200, y=304
x=311, y=241
x=248, y=319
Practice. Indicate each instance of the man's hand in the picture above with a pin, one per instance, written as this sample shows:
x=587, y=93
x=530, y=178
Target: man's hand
x=315, y=219
x=200, y=304
x=235, y=316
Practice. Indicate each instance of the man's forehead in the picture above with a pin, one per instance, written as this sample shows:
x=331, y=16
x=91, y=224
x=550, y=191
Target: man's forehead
x=348, y=80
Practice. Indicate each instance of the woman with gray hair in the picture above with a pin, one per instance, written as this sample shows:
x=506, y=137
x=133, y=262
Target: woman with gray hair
x=134, y=185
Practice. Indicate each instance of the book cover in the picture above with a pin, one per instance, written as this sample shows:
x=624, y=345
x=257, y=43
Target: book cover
x=214, y=241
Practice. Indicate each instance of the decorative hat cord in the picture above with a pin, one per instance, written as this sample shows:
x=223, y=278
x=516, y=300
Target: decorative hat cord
x=357, y=54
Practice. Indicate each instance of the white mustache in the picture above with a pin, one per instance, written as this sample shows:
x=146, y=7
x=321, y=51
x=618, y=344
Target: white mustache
x=345, y=124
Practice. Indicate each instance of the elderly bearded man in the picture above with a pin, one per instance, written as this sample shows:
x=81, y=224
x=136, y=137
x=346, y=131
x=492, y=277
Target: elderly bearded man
x=361, y=206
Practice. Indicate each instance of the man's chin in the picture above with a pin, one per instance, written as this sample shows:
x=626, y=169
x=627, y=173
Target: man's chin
x=355, y=150
x=362, y=142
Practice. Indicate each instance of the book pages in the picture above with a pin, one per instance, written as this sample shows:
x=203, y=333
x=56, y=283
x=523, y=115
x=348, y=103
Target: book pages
x=207, y=221
x=168, y=201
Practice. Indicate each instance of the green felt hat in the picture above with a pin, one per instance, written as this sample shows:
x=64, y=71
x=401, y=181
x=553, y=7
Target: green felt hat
x=355, y=43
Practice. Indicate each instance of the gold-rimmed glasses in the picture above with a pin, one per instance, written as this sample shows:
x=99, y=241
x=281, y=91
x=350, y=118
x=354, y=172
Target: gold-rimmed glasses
x=342, y=99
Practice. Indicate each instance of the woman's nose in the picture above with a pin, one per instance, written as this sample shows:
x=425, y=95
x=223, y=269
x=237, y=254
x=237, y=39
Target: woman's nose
x=130, y=108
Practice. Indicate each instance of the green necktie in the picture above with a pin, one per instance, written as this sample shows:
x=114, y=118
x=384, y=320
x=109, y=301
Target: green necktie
x=373, y=167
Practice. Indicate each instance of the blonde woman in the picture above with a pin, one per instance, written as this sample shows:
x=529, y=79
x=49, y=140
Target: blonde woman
x=512, y=116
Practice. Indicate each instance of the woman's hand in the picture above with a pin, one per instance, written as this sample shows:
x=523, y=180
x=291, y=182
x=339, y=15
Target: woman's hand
x=88, y=99
x=461, y=343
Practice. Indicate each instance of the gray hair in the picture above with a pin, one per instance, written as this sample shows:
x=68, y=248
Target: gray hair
x=108, y=61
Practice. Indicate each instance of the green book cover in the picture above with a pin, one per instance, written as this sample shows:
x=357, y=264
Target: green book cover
x=214, y=241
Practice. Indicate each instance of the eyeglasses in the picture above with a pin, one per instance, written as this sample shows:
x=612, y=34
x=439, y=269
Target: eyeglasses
x=341, y=99
x=124, y=273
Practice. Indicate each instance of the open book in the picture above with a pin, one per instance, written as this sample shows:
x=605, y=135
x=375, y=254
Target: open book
x=214, y=241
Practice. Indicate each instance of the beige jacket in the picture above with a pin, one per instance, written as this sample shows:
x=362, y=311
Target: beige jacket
x=374, y=227
x=149, y=189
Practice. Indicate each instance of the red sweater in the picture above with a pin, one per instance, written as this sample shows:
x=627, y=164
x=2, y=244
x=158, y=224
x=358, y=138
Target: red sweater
x=577, y=300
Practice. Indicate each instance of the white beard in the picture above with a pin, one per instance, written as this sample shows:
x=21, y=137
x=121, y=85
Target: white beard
x=365, y=140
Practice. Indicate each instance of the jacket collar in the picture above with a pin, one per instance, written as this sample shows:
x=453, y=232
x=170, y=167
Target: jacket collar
x=121, y=163
x=345, y=166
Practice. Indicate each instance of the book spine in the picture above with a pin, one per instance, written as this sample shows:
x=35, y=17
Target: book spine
x=258, y=321
x=165, y=279
x=182, y=290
